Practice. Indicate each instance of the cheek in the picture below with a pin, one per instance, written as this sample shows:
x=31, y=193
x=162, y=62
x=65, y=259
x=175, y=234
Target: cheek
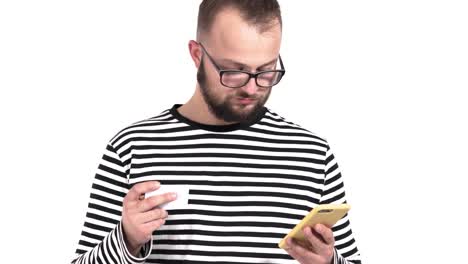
x=221, y=92
x=215, y=86
x=267, y=93
x=212, y=76
x=229, y=94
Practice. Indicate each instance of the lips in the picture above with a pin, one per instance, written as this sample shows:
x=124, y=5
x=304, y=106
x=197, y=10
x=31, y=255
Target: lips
x=245, y=101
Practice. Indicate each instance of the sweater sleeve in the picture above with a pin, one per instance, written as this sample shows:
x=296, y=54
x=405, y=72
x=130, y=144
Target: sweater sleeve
x=346, y=250
x=101, y=239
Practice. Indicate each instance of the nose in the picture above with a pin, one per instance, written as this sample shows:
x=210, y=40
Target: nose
x=251, y=87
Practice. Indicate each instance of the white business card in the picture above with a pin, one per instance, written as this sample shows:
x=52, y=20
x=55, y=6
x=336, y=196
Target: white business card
x=181, y=202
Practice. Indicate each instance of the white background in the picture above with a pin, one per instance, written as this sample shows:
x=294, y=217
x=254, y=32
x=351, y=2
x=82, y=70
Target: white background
x=383, y=81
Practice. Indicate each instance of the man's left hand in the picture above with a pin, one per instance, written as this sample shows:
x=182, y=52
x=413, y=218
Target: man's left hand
x=319, y=248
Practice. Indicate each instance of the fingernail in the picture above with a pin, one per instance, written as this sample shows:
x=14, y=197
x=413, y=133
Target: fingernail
x=173, y=195
x=156, y=184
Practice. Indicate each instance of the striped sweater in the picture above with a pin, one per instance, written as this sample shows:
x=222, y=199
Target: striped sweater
x=249, y=184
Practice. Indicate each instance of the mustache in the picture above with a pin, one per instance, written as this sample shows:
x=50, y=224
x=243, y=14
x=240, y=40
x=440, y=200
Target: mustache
x=244, y=95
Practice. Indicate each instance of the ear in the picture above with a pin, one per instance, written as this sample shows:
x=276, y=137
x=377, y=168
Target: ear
x=195, y=52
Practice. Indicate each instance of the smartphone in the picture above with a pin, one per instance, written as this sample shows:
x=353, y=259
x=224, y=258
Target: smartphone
x=326, y=214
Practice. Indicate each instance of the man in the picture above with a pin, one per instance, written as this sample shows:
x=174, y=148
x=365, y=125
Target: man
x=251, y=174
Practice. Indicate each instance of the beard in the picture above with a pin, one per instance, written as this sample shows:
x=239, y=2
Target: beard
x=225, y=110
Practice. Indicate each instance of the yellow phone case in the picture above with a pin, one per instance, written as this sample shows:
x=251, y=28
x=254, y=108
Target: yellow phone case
x=327, y=214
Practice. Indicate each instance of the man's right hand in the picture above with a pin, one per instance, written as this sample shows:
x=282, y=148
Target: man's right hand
x=140, y=216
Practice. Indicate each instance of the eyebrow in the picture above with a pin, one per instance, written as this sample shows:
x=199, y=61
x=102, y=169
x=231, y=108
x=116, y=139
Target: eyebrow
x=238, y=64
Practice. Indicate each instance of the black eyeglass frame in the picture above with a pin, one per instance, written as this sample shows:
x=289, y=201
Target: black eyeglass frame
x=221, y=72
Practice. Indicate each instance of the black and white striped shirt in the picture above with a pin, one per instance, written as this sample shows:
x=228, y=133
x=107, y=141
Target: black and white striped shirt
x=249, y=185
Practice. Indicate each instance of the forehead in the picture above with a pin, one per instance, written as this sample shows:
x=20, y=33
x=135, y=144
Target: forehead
x=234, y=39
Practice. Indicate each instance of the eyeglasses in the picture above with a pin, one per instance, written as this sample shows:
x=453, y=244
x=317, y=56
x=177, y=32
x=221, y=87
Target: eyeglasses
x=239, y=78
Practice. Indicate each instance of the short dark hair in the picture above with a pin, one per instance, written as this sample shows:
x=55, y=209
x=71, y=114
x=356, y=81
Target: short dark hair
x=263, y=14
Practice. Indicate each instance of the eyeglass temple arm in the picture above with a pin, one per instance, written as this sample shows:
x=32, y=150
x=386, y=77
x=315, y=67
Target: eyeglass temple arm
x=209, y=57
x=282, y=65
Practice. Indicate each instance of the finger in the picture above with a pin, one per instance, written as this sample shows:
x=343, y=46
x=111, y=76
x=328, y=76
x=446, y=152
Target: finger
x=155, y=201
x=317, y=244
x=326, y=233
x=300, y=253
x=152, y=215
x=150, y=227
x=141, y=188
